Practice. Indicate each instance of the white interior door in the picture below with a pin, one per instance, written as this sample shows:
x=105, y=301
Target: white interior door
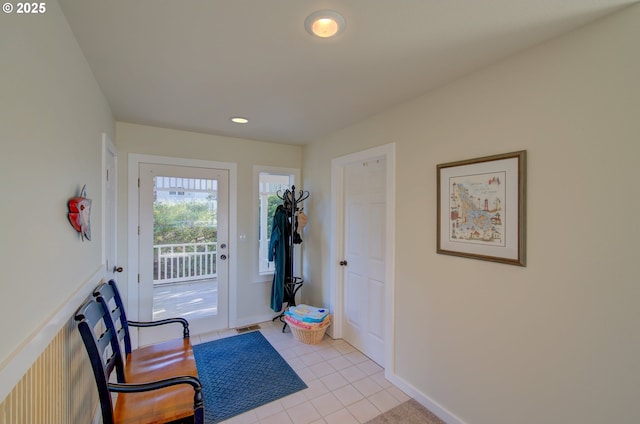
x=364, y=257
x=183, y=248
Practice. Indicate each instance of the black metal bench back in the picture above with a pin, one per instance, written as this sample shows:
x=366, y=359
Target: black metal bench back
x=103, y=349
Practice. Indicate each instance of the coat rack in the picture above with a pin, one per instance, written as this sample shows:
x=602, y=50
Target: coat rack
x=291, y=207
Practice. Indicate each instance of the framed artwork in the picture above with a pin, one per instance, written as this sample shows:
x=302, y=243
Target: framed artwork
x=481, y=208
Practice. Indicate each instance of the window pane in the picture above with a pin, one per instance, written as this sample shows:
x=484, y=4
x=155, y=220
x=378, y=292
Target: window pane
x=269, y=184
x=185, y=232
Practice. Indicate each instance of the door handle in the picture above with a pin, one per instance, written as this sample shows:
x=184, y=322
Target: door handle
x=118, y=269
x=343, y=263
x=223, y=257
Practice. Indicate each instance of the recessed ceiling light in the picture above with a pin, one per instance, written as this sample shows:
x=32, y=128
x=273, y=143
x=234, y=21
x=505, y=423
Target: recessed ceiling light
x=239, y=120
x=324, y=23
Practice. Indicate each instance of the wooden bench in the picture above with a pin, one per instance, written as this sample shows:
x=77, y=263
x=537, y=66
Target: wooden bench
x=155, y=384
x=144, y=360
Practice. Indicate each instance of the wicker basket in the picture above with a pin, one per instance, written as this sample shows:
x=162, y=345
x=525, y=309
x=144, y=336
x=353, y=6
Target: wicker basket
x=308, y=336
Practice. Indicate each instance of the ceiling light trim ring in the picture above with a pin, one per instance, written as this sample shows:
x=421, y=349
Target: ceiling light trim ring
x=325, y=23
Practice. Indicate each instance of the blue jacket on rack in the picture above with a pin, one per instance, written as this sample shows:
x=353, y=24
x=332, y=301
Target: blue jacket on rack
x=279, y=248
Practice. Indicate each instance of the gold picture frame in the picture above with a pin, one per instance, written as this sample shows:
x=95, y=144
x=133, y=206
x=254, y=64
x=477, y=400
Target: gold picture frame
x=482, y=208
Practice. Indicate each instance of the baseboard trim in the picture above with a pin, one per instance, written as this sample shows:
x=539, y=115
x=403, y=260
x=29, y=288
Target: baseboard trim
x=18, y=363
x=254, y=319
x=433, y=406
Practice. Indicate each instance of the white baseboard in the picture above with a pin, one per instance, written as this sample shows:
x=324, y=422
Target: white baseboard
x=251, y=320
x=442, y=413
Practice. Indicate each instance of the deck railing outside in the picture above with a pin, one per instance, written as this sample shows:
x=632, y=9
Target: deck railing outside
x=183, y=262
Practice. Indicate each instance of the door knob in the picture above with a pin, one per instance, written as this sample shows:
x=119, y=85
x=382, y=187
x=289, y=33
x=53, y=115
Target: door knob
x=343, y=263
x=118, y=269
x=223, y=246
x=223, y=257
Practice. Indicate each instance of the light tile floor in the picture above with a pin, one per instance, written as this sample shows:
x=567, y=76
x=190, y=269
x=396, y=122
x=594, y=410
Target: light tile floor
x=344, y=386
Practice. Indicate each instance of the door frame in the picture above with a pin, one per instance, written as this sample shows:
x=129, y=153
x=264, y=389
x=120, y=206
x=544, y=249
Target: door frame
x=109, y=149
x=338, y=165
x=134, y=160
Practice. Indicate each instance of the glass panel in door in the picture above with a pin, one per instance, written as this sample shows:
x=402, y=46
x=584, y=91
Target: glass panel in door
x=184, y=247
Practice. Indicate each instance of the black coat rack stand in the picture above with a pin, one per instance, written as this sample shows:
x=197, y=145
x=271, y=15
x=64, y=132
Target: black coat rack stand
x=291, y=204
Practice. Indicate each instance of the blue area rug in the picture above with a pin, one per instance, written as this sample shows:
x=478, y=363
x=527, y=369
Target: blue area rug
x=240, y=373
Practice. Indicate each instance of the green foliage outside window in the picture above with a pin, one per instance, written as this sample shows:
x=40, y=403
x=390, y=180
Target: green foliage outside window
x=184, y=222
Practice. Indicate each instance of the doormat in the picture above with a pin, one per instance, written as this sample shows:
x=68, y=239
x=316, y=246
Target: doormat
x=240, y=373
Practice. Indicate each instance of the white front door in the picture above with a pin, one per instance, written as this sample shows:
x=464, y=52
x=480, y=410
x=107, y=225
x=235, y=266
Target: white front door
x=183, y=247
x=364, y=257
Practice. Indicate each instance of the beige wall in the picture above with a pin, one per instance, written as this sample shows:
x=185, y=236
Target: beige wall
x=253, y=294
x=52, y=115
x=557, y=341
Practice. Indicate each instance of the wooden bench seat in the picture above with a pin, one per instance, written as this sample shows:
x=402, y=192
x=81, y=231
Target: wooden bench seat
x=165, y=405
x=155, y=384
x=162, y=360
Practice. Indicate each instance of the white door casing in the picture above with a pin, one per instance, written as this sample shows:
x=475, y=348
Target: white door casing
x=109, y=207
x=339, y=293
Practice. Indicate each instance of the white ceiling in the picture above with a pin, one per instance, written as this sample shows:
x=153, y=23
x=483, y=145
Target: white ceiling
x=192, y=64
